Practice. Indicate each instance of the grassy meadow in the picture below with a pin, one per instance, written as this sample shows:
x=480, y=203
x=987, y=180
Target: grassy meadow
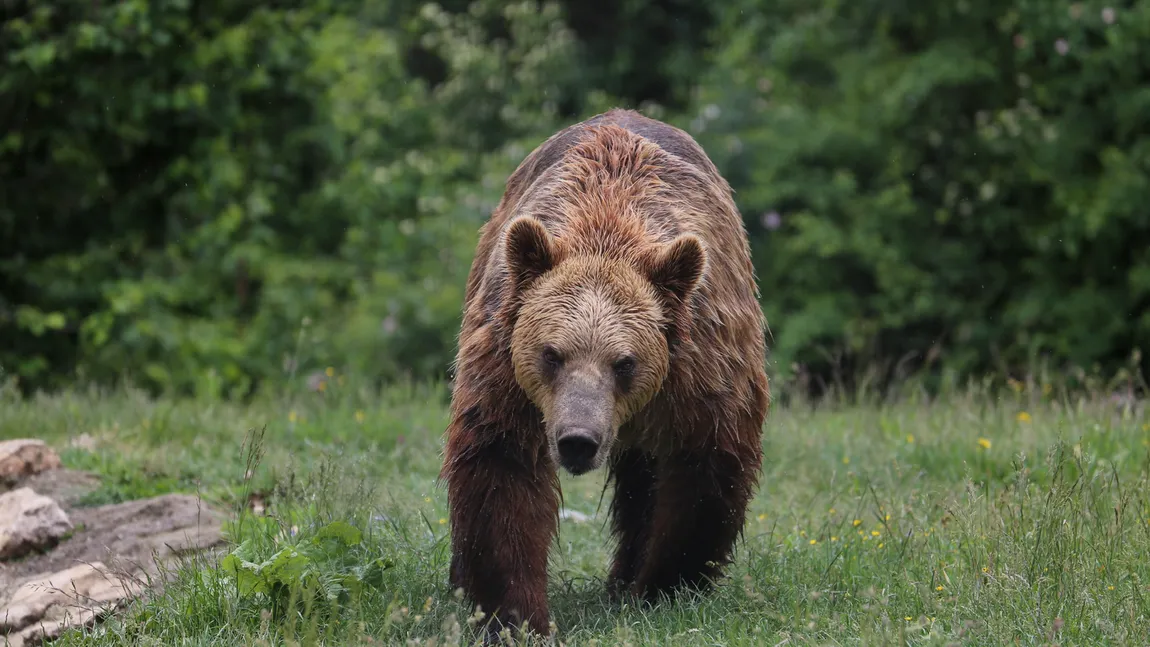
x=1018, y=518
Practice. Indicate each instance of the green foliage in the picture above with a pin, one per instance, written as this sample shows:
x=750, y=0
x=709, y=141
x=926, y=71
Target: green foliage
x=643, y=52
x=198, y=182
x=122, y=482
x=954, y=181
x=207, y=196
x=322, y=567
x=981, y=516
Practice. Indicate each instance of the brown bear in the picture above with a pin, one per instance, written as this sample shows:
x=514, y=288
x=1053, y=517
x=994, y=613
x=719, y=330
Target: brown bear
x=611, y=318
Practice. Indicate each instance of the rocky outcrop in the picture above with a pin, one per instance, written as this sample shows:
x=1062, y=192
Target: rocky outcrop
x=65, y=566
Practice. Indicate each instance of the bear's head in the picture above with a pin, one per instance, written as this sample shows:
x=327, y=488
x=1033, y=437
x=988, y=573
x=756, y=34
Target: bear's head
x=590, y=343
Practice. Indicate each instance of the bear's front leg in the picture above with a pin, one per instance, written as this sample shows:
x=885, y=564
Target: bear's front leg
x=504, y=508
x=632, y=508
x=701, y=504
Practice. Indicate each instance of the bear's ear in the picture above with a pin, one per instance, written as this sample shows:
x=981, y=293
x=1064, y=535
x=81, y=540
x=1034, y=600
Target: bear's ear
x=676, y=268
x=530, y=251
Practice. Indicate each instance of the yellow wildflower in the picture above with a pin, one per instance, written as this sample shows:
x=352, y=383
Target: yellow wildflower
x=330, y=372
x=875, y=533
x=814, y=541
x=910, y=439
x=846, y=460
x=762, y=517
x=1023, y=417
x=292, y=417
x=832, y=511
x=833, y=538
x=442, y=521
x=984, y=443
x=857, y=522
x=938, y=588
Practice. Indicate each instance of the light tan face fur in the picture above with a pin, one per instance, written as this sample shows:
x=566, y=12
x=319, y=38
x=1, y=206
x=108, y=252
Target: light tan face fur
x=589, y=351
x=588, y=346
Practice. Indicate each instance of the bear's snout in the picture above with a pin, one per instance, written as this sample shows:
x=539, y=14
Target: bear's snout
x=577, y=449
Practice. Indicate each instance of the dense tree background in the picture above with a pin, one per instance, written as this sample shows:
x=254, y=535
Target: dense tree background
x=211, y=195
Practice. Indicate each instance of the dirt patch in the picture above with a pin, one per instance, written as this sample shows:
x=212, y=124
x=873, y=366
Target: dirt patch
x=131, y=534
x=67, y=487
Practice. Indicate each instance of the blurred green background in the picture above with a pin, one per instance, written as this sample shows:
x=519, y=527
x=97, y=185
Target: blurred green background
x=213, y=196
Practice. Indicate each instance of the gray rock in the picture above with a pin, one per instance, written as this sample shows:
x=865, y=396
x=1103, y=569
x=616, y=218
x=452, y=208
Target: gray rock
x=41, y=609
x=574, y=515
x=29, y=522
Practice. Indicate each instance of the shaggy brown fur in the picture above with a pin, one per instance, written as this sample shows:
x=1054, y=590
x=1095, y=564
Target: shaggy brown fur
x=615, y=268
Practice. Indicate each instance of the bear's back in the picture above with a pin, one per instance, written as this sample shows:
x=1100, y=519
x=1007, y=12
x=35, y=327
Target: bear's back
x=549, y=154
x=694, y=197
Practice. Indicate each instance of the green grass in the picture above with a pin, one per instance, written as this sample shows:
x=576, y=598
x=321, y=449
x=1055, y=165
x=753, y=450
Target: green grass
x=971, y=519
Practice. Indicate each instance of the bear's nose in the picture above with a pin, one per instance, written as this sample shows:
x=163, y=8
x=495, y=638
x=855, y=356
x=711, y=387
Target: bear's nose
x=577, y=449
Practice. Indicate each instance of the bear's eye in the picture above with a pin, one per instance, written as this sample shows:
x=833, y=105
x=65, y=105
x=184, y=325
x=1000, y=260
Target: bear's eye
x=551, y=357
x=624, y=367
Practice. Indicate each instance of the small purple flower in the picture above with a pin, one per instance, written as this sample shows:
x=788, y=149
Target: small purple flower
x=1061, y=46
x=316, y=380
x=389, y=325
x=1108, y=15
x=772, y=220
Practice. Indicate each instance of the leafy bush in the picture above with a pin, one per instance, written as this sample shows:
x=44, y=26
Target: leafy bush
x=206, y=196
x=962, y=182
x=199, y=181
x=318, y=571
